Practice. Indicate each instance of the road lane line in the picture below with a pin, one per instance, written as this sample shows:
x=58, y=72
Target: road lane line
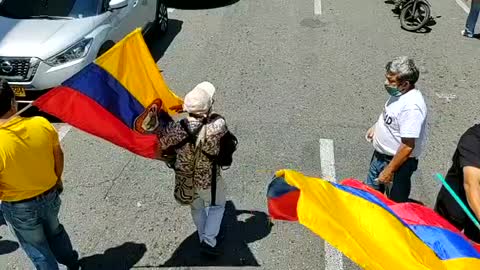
x=63, y=130
x=317, y=7
x=333, y=257
x=463, y=6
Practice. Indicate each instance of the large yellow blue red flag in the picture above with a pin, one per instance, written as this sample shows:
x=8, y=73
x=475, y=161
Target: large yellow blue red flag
x=118, y=97
x=373, y=231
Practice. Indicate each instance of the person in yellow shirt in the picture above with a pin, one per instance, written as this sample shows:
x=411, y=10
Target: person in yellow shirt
x=31, y=166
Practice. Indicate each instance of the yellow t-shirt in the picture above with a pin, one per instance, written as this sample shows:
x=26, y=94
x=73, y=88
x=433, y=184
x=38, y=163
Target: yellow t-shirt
x=27, y=165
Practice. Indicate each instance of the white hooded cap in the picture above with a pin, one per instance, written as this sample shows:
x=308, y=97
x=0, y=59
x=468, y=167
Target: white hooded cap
x=200, y=99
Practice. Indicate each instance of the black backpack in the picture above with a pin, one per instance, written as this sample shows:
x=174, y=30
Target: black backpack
x=228, y=145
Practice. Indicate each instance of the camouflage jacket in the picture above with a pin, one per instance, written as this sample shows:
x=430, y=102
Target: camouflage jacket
x=185, y=165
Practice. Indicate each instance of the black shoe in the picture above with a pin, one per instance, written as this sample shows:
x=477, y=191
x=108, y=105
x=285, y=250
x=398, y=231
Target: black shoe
x=74, y=267
x=208, y=250
x=74, y=263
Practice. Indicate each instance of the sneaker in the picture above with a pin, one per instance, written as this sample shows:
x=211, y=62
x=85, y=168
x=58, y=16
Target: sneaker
x=465, y=34
x=208, y=250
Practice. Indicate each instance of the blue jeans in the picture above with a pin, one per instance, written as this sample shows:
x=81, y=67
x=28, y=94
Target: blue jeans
x=402, y=179
x=35, y=224
x=472, y=18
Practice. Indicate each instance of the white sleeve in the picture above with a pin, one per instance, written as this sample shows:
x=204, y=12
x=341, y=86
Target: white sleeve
x=411, y=122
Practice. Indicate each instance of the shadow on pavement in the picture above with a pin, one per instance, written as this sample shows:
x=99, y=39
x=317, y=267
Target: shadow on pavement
x=7, y=246
x=2, y=219
x=410, y=200
x=158, y=43
x=119, y=258
x=234, y=236
x=424, y=30
x=195, y=4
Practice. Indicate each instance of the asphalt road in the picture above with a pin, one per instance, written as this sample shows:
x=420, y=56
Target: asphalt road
x=285, y=79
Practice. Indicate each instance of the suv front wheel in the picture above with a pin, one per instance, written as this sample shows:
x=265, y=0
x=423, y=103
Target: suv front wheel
x=162, y=16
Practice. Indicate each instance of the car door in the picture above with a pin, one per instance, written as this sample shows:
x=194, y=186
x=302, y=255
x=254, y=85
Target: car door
x=126, y=19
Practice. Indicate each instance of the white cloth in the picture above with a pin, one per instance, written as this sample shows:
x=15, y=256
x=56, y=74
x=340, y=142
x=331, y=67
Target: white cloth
x=403, y=117
x=208, y=218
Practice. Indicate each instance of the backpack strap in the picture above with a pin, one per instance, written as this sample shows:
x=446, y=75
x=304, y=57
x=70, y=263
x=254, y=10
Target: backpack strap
x=213, y=187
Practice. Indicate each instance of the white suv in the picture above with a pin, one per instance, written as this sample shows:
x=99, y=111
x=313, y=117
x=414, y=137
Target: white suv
x=45, y=42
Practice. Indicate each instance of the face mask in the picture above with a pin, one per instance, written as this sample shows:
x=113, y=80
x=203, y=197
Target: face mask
x=393, y=91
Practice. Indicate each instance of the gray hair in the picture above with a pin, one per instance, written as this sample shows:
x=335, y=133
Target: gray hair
x=404, y=68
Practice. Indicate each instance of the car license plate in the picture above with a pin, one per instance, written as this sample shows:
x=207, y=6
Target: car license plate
x=19, y=91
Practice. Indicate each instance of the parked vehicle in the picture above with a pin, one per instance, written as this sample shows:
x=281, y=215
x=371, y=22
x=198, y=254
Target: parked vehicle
x=414, y=14
x=43, y=43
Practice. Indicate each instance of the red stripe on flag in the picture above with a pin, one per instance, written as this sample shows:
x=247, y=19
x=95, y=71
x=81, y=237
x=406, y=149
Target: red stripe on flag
x=285, y=206
x=84, y=113
x=410, y=213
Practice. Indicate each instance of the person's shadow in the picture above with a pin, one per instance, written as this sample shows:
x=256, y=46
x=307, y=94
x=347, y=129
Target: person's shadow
x=119, y=258
x=6, y=246
x=158, y=45
x=233, y=239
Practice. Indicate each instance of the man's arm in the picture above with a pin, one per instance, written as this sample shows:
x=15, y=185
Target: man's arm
x=471, y=184
x=402, y=155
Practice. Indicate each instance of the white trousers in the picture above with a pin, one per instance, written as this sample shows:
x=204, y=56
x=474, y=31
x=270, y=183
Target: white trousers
x=208, y=218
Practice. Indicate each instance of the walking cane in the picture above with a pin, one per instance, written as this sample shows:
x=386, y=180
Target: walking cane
x=459, y=201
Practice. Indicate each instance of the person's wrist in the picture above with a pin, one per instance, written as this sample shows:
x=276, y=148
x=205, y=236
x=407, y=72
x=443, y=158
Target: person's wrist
x=388, y=170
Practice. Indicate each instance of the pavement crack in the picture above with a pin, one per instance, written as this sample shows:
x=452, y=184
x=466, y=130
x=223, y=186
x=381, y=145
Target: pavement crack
x=93, y=185
x=114, y=180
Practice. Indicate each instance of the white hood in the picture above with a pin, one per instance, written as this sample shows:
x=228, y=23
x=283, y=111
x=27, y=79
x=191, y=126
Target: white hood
x=42, y=38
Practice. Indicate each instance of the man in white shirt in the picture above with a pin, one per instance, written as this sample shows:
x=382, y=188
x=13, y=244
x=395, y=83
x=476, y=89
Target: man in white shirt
x=400, y=132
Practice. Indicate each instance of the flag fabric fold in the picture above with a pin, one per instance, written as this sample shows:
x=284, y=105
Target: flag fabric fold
x=117, y=97
x=367, y=227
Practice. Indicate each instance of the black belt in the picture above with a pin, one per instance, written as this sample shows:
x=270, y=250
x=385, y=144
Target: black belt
x=379, y=155
x=44, y=194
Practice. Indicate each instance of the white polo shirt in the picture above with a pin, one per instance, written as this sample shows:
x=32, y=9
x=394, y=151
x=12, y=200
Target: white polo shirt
x=403, y=117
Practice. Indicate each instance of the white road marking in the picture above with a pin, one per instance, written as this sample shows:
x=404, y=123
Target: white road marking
x=333, y=257
x=170, y=10
x=317, y=7
x=463, y=5
x=63, y=130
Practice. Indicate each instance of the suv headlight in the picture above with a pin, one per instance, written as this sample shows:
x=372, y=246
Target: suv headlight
x=77, y=51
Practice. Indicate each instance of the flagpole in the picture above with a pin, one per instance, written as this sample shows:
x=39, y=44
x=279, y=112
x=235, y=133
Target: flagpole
x=22, y=110
x=19, y=112
x=459, y=201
